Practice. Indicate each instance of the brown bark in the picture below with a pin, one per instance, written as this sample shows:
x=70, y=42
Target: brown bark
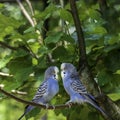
x=106, y=103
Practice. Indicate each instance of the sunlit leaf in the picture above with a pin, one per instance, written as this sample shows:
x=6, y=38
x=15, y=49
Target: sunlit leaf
x=117, y=72
x=4, y=61
x=31, y=29
x=114, y=96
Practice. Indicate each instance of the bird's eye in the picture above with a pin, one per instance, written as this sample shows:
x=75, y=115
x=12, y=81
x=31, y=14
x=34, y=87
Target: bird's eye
x=64, y=73
x=54, y=75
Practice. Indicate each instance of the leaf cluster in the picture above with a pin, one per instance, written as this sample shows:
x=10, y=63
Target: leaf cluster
x=24, y=57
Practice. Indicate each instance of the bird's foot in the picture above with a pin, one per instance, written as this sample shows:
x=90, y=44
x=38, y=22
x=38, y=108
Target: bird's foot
x=53, y=107
x=47, y=106
x=69, y=103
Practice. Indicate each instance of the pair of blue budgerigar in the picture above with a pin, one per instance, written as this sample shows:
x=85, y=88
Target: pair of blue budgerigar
x=71, y=82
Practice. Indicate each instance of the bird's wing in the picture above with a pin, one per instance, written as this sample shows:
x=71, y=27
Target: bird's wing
x=77, y=86
x=41, y=90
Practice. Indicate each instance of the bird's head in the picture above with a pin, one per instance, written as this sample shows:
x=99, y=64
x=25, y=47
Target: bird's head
x=67, y=69
x=52, y=72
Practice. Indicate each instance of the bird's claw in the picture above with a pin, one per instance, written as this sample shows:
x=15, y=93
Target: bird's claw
x=69, y=104
x=47, y=106
x=53, y=107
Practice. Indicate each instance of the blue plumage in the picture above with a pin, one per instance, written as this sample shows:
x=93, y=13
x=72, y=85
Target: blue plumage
x=75, y=89
x=47, y=90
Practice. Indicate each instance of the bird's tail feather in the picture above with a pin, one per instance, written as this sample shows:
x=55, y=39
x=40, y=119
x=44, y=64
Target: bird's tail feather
x=21, y=116
x=94, y=103
x=28, y=109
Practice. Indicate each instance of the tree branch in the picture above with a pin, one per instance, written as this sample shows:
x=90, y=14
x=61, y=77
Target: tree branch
x=30, y=6
x=32, y=12
x=103, y=6
x=7, y=46
x=62, y=106
x=31, y=20
x=25, y=48
x=83, y=65
x=5, y=74
x=80, y=35
x=86, y=75
x=19, y=92
x=25, y=13
x=32, y=103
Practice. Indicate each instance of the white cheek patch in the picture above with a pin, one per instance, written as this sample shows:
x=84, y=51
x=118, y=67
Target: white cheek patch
x=62, y=74
x=56, y=76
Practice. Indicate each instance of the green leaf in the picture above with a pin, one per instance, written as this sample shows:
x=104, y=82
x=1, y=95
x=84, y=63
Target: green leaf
x=66, y=15
x=33, y=113
x=8, y=21
x=54, y=38
x=10, y=84
x=104, y=77
x=4, y=61
x=117, y=72
x=94, y=14
x=59, y=36
x=112, y=61
x=67, y=38
x=43, y=50
x=42, y=62
x=100, y=30
x=111, y=47
x=30, y=29
x=47, y=12
x=1, y=5
x=111, y=39
x=114, y=96
x=20, y=68
x=20, y=53
x=39, y=73
x=60, y=53
x=7, y=25
x=34, y=46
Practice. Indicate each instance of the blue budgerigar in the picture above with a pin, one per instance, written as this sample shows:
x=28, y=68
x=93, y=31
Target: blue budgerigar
x=75, y=89
x=47, y=90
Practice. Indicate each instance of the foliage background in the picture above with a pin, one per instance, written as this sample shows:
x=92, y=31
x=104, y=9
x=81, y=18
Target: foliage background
x=27, y=50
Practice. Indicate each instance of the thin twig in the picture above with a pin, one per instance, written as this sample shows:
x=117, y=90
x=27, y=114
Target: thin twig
x=63, y=106
x=31, y=52
x=31, y=9
x=9, y=75
x=27, y=49
x=103, y=6
x=18, y=92
x=5, y=74
x=31, y=20
x=25, y=13
x=30, y=6
x=8, y=46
